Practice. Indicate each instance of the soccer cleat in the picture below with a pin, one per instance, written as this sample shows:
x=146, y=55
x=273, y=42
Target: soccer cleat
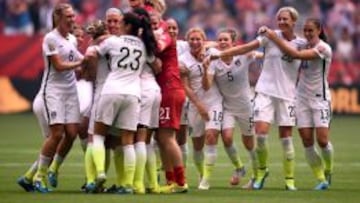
x=111, y=189
x=237, y=175
x=124, y=191
x=139, y=190
x=328, y=177
x=180, y=189
x=323, y=185
x=204, y=184
x=90, y=188
x=290, y=184
x=167, y=189
x=154, y=190
x=100, y=180
x=26, y=184
x=53, y=178
x=40, y=186
x=83, y=187
x=260, y=180
x=249, y=184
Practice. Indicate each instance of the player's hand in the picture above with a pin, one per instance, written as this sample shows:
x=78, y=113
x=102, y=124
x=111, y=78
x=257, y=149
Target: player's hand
x=206, y=62
x=262, y=30
x=203, y=112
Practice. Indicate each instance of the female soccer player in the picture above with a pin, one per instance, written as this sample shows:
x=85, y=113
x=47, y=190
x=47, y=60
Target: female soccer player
x=120, y=106
x=181, y=47
x=205, y=110
x=313, y=99
x=274, y=100
x=99, y=70
x=58, y=91
x=173, y=97
x=231, y=77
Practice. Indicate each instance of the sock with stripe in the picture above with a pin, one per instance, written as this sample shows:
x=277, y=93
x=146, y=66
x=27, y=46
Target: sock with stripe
x=140, y=150
x=90, y=168
x=315, y=162
x=210, y=159
x=99, y=153
x=234, y=156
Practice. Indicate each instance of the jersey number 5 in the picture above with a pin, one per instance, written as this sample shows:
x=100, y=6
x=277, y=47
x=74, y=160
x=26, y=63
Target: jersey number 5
x=134, y=64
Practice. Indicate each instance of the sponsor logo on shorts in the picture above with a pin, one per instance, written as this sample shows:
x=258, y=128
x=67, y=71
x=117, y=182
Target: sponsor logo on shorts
x=256, y=112
x=53, y=114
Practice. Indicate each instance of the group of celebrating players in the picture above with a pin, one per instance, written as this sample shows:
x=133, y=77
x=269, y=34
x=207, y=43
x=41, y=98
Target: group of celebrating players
x=148, y=88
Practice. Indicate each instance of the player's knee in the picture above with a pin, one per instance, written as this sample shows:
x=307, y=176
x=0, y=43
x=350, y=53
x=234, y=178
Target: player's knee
x=322, y=142
x=307, y=142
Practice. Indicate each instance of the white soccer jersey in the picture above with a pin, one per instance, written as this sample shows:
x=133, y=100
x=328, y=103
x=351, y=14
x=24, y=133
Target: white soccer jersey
x=196, y=72
x=233, y=82
x=127, y=58
x=103, y=67
x=182, y=47
x=55, y=44
x=148, y=80
x=279, y=74
x=313, y=79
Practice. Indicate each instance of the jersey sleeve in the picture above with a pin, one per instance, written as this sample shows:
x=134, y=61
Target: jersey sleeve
x=50, y=46
x=322, y=50
x=212, y=51
x=90, y=51
x=263, y=40
x=104, y=47
x=183, y=61
x=182, y=46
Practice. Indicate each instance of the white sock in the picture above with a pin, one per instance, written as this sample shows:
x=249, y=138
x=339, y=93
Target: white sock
x=288, y=147
x=328, y=156
x=129, y=155
x=140, y=150
x=210, y=154
x=98, y=141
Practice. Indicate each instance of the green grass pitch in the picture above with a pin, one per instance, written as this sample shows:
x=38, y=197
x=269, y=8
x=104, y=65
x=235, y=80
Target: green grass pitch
x=21, y=140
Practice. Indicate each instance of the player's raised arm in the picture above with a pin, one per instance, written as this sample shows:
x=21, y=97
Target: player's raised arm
x=305, y=54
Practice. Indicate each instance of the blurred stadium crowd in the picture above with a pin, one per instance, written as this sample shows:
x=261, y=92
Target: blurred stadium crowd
x=341, y=21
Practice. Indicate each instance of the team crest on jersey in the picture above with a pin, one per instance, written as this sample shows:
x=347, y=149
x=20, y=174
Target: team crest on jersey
x=53, y=114
x=51, y=47
x=238, y=62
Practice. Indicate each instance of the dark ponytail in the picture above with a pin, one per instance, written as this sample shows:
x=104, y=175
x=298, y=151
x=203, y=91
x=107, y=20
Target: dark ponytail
x=141, y=27
x=319, y=25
